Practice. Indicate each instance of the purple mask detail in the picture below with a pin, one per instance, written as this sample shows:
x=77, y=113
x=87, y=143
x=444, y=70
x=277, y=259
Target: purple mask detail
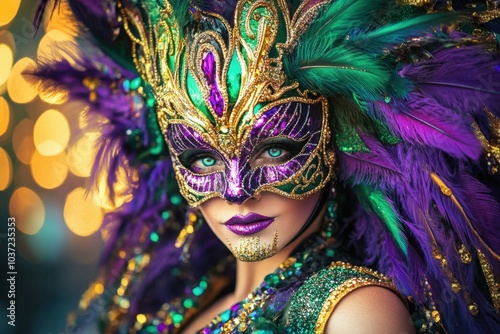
x=238, y=181
x=208, y=66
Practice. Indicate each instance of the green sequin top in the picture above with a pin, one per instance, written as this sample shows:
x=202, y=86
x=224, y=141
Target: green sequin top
x=313, y=303
x=300, y=296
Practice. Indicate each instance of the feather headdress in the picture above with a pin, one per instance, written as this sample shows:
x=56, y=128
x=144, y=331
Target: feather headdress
x=415, y=108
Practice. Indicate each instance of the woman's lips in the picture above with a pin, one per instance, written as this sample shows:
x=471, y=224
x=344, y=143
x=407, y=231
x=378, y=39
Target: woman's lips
x=248, y=224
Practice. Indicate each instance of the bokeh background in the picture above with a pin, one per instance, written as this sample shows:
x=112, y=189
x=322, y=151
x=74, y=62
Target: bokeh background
x=45, y=162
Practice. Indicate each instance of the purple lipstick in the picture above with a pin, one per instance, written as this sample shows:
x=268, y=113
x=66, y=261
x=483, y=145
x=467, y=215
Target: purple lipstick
x=248, y=224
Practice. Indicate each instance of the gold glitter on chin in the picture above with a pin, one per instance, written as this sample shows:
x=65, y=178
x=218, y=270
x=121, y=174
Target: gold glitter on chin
x=250, y=249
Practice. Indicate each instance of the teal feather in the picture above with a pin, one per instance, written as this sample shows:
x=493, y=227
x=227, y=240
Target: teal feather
x=374, y=42
x=342, y=16
x=334, y=59
x=378, y=203
x=340, y=71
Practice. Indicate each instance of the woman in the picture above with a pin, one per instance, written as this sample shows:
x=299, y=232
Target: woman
x=306, y=138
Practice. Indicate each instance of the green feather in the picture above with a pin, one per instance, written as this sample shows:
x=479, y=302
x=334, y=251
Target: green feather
x=376, y=41
x=341, y=53
x=343, y=15
x=339, y=71
x=377, y=202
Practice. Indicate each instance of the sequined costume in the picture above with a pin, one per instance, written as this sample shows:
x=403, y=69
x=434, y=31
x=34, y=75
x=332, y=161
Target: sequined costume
x=391, y=109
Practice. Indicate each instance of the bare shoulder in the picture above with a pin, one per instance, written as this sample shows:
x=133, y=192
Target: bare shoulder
x=370, y=310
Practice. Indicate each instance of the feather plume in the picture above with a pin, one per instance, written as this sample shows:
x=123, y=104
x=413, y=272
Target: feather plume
x=340, y=71
x=376, y=167
x=332, y=62
x=443, y=79
x=374, y=42
x=383, y=208
x=341, y=16
x=421, y=120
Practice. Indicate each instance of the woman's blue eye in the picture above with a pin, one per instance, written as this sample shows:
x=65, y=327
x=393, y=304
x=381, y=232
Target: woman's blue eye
x=274, y=152
x=208, y=161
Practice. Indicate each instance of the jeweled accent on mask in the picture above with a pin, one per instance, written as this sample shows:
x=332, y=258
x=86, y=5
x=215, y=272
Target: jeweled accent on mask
x=251, y=249
x=221, y=88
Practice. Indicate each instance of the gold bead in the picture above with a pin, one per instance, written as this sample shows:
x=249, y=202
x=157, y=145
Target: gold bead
x=436, y=316
x=473, y=309
x=455, y=287
x=446, y=191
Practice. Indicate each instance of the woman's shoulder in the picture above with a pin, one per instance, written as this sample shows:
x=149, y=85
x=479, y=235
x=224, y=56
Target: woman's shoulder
x=314, y=302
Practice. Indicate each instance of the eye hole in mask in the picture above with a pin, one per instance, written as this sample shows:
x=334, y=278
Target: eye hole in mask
x=275, y=151
x=270, y=152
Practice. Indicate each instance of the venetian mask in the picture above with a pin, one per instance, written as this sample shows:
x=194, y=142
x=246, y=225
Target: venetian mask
x=234, y=123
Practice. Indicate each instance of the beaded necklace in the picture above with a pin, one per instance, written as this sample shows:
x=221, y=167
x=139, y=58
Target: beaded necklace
x=242, y=316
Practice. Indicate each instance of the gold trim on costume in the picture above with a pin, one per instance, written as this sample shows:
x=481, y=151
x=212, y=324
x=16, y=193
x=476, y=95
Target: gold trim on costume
x=350, y=285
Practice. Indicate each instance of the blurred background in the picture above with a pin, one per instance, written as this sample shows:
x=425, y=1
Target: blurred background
x=45, y=162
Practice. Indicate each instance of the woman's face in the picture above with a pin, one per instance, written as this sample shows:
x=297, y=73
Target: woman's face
x=261, y=226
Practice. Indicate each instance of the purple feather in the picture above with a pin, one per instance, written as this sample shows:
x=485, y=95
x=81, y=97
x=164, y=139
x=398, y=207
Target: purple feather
x=464, y=78
x=373, y=167
x=421, y=120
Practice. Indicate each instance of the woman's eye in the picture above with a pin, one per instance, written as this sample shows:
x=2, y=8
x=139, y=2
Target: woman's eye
x=201, y=162
x=205, y=162
x=275, y=151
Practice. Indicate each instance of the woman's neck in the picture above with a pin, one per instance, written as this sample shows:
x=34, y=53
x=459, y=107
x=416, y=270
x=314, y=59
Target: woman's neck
x=250, y=274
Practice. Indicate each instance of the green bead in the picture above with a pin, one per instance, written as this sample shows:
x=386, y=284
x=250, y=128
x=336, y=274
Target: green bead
x=175, y=199
x=197, y=291
x=177, y=318
x=136, y=83
x=188, y=303
x=151, y=102
x=272, y=279
x=225, y=315
x=154, y=237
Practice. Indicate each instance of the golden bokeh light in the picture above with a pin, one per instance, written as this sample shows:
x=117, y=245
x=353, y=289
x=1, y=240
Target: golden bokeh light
x=20, y=90
x=22, y=140
x=6, y=38
x=27, y=207
x=7, y=57
x=81, y=214
x=81, y=155
x=4, y=116
x=49, y=172
x=51, y=133
x=6, y=168
x=8, y=10
x=56, y=44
